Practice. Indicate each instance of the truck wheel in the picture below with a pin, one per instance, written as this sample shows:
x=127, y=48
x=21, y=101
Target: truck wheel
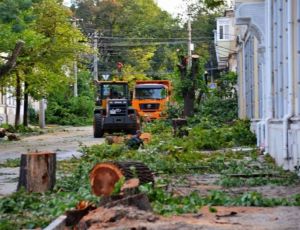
x=98, y=130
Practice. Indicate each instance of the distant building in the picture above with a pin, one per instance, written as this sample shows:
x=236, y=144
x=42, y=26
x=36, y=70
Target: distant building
x=268, y=37
x=225, y=42
x=7, y=107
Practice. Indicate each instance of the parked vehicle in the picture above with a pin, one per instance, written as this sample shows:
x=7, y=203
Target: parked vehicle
x=150, y=98
x=113, y=112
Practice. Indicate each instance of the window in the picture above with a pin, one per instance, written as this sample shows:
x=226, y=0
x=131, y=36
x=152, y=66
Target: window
x=221, y=33
x=150, y=93
x=113, y=91
x=223, y=30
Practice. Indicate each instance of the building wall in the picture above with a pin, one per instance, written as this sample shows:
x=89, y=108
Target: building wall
x=269, y=75
x=225, y=40
x=8, y=107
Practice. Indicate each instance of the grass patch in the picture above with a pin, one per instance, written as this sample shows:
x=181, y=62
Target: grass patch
x=166, y=156
x=10, y=163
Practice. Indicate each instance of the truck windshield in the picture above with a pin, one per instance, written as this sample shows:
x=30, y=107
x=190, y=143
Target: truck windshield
x=149, y=93
x=113, y=91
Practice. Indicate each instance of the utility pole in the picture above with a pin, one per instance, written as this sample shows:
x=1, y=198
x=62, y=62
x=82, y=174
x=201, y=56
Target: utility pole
x=42, y=122
x=75, y=79
x=189, y=28
x=211, y=72
x=95, y=71
x=75, y=68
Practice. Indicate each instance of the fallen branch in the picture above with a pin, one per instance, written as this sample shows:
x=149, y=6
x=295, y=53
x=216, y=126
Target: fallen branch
x=254, y=175
x=226, y=215
x=12, y=60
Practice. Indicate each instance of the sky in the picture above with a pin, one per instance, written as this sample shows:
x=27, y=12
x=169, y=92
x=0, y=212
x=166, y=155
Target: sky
x=172, y=6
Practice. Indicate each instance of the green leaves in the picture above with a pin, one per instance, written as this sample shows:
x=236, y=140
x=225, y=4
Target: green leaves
x=50, y=43
x=118, y=186
x=131, y=30
x=214, y=3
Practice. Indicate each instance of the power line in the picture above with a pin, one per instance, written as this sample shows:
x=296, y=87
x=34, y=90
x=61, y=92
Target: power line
x=123, y=44
x=144, y=38
x=139, y=73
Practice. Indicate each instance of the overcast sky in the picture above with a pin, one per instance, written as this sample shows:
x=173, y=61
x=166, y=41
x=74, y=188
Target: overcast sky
x=172, y=6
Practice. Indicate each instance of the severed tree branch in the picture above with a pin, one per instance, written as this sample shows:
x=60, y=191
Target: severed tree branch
x=12, y=60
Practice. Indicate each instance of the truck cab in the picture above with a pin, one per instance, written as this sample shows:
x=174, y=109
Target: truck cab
x=150, y=98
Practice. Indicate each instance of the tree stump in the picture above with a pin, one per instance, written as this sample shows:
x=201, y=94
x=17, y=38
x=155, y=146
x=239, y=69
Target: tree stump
x=2, y=132
x=146, y=137
x=12, y=137
x=114, y=139
x=37, y=171
x=104, y=176
x=178, y=127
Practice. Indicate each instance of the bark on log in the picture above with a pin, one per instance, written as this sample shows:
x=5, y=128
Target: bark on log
x=140, y=201
x=74, y=216
x=104, y=175
x=37, y=171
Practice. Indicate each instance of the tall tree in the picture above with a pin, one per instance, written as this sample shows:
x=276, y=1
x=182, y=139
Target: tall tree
x=50, y=44
x=129, y=31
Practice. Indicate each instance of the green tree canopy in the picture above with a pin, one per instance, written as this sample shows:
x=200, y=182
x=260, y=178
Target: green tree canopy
x=51, y=42
x=131, y=32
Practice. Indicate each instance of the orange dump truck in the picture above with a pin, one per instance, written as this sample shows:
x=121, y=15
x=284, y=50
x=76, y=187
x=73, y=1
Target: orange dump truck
x=150, y=98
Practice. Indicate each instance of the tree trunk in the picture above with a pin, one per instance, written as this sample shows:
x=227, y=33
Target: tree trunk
x=18, y=100
x=25, y=115
x=37, y=171
x=189, y=96
x=199, y=98
x=189, y=99
x=42, y=122
x=104, y=176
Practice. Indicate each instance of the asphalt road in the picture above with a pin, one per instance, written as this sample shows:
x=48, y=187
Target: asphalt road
x=64, y=141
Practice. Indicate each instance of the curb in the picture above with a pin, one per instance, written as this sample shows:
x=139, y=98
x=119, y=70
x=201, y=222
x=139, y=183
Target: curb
x=58, y=224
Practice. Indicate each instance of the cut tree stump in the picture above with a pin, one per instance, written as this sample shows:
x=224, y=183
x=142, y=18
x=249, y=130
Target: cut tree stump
x=146, y=137
x=2, y=132
x=104, y=175
x=178, y=127
x=37, y=171
x=12, y=137
x=114, y=139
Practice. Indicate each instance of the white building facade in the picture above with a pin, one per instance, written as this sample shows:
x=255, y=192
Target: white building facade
x=268, y=33
x=8, y=107
x=225, y=41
